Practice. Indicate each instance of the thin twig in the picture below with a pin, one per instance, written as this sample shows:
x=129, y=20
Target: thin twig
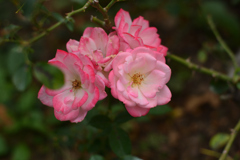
x=230, y=141
x=97, y=21
x=221, y=41
x=59, y=23
x=108, y=25
x=204, y=70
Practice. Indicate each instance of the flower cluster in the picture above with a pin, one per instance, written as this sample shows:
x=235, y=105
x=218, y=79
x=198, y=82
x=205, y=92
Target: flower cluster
x=130, y=61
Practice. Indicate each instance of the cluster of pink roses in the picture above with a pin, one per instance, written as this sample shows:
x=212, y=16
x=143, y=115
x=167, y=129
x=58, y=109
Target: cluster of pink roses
x=129, y=60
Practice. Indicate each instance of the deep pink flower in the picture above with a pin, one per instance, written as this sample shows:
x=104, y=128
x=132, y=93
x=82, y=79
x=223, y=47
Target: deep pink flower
x=137, y=33
x=139, y=78
x=81, y=91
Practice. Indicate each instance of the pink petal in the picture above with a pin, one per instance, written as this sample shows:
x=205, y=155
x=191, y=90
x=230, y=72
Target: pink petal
x=67, y=73
x=155, y=77
x=44, y=97
x=137, y=111
x=81, y=97
x=60, y=54
x=100, y=84
x=73, y=114
x=87, y=32
x=97, y=55
x=100, y=38
x=134, y=30
x=140, y=99
x=141, y=22
x=165, y=69
x=72, y=45
x=164, y=96
x=149, y=36
x=112, y=45
x=122, y=14
x=66, y=86
x=131, y=40
x=63, y=101
x=112, y=79
x=92, y=100
x=70, y=60
x=82, y=114
x=87, y=46
x=162, y=49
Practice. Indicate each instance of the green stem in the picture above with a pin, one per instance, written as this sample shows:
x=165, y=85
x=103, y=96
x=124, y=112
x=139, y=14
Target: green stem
x=204, y=70
x=59, y=23
x=230, y=141
x=108, y=25
x=97, y=21
x=221, y=41
x=110, y=4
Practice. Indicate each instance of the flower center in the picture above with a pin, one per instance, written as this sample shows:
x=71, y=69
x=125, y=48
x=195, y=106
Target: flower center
x=137, y=79
x=76, y=84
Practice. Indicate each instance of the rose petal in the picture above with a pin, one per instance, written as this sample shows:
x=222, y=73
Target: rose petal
x=137, y=111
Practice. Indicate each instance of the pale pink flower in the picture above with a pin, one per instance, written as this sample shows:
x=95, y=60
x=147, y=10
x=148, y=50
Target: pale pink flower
x=81, y=90
x=139, y=78
x=137, y=33
x=99, y=47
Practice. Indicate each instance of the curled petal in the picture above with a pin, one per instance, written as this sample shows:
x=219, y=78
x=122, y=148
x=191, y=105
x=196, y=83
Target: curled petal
x=44, y=97
x=72, y=45
x=137, y=111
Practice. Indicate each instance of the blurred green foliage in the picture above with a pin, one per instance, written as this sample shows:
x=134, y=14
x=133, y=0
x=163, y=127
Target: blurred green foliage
x=29, y=129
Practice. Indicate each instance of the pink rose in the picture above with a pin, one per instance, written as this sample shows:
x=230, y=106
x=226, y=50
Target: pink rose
x=139, y=78
x=81, y=91
x=137, y=33
x=97, y=45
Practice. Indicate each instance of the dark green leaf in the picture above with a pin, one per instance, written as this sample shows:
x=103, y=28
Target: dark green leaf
x=101, y=122
x=15, y=59
x=219, y=86
x=96, y=157
x=202, y=56
x=160, y=110
x=129, y=157
x=219, y=140
x=122, y=117
x=70, y=24
x=21, y=152
x=119, y=142
x=58, y=17
x=49, y=75
x=22, y=78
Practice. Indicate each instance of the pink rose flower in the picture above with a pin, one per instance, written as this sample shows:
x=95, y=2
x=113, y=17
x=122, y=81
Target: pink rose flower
x=139, y=78
x=81, y=91
x=137, y=33
x=99, y=47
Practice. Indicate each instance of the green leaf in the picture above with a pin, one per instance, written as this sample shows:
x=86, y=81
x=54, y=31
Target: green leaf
x=122, y=117
x=96, y=157
x=219, y=86
x=58, y=17
x=160, y=110
x=21, y=152
x=22, y=78
x=49, y=75
x=219, y=140
x=3, y=146
x=119, y=142
x=70, y=24
x=129, y=157
x=15, y=59
x=100, y=122
x=202, y=56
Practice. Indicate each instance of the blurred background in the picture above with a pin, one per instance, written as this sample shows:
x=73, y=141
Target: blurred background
x=201, y=106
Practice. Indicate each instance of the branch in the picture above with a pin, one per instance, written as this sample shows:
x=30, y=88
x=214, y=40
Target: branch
x=204, y=70
x=58, y=23
x=110, y=4
x=221, y=41
x=230, y=141
x=108, y=25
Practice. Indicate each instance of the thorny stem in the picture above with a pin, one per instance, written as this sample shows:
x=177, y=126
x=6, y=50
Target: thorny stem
x=204, y=70
x=230, y=141
x=221, y=41
x=97, y=21
x=107, y=25
x=111, y=4
x=59, y=23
